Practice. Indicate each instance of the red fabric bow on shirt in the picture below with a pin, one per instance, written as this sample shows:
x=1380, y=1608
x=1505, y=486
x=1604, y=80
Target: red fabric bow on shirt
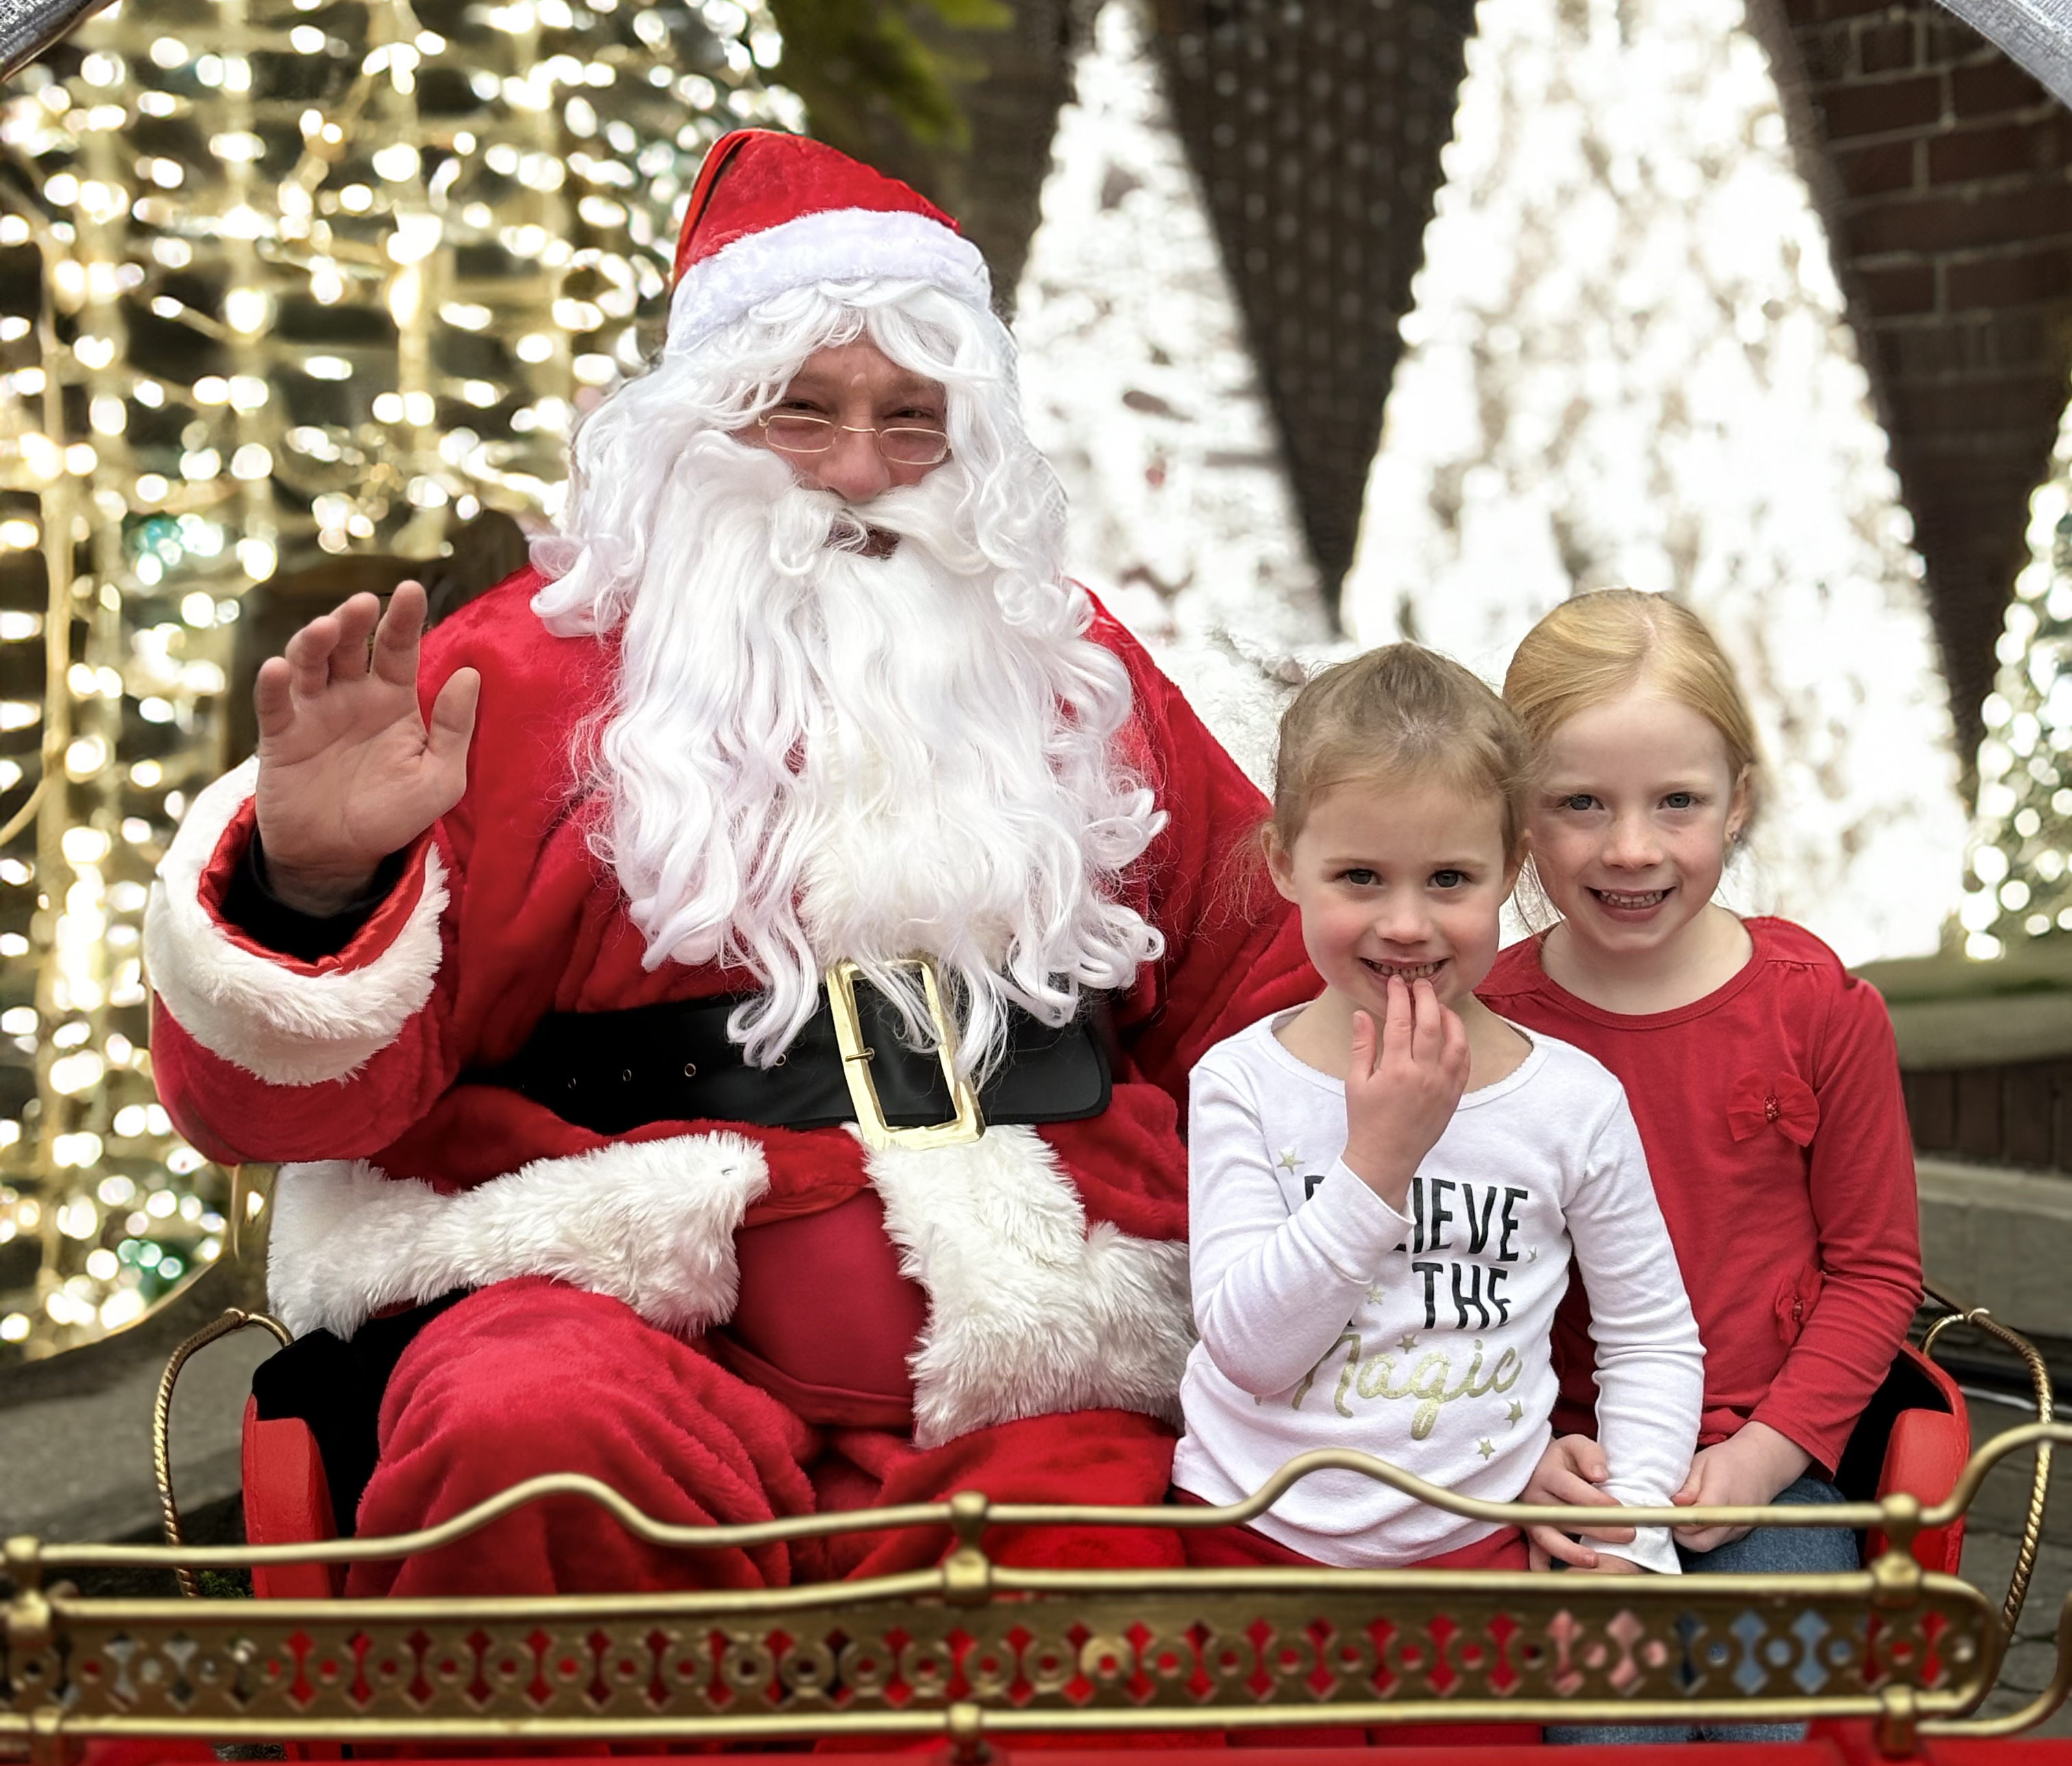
x=1786, y=1102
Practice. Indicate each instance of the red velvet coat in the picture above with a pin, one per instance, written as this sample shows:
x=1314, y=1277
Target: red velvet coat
x=1039, y=1271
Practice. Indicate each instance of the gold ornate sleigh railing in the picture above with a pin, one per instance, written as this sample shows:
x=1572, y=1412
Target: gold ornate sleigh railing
x=972, y=1649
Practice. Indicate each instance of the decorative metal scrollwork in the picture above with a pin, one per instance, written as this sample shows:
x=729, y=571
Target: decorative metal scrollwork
x=972, y=1646
x=1463, y=1639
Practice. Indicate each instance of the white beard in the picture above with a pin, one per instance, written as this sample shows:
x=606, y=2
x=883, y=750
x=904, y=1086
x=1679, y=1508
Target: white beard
x=816, y=754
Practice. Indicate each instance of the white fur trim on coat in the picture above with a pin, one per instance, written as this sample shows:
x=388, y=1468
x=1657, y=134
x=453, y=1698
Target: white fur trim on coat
x=835, y=245
x=651, y=1223
x=1030, y=1312
x=285, y=1028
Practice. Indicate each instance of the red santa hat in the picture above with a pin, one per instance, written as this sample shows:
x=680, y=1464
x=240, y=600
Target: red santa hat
x=771, y=212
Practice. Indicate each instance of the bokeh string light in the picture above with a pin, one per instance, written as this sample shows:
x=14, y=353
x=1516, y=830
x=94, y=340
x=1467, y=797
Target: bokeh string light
x=278, y=278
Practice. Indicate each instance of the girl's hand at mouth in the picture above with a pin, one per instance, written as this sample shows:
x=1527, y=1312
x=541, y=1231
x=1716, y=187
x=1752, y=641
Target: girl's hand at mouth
x=1401, y=1090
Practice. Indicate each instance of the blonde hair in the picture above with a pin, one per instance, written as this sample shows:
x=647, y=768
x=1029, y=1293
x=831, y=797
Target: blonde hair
x=1599, y=647
x=1397, y=714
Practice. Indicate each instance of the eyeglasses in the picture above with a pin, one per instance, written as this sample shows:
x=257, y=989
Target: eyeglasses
x=790, y=434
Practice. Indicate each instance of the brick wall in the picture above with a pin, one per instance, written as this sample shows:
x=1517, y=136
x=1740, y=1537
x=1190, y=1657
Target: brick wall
x=1944, y=173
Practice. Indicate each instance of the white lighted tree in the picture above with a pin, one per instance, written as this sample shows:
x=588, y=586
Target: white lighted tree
x=1628, y=364
x=2020, y=886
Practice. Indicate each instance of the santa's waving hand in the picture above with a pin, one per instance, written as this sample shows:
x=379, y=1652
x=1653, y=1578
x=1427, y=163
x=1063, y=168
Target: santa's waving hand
x=349, y=771
x=723, y=1000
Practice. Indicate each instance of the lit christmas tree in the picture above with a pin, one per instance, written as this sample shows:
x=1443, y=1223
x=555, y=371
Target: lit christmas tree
x=2020, y=886
x=278, y=278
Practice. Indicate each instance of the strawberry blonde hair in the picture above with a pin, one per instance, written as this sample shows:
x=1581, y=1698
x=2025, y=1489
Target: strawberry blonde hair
x=1599, y=647
x=1399, y=713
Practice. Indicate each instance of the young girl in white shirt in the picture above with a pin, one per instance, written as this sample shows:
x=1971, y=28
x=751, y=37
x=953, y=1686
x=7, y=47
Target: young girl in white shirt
x=1387, y=1185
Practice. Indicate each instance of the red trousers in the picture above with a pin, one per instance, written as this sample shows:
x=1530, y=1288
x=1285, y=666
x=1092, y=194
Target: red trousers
x=1238, y=1547
x=529, y=1376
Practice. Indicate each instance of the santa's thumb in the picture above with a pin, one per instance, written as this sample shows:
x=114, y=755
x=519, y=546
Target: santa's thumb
x=453, y=716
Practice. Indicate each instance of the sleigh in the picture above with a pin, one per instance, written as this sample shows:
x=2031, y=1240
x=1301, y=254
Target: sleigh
x=979, y=1659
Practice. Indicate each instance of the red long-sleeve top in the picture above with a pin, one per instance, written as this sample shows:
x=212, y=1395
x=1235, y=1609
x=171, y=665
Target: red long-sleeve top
x=1771, y=1114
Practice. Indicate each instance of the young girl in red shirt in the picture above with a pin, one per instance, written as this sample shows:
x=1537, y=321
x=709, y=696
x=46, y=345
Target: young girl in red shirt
x=1761, y=1074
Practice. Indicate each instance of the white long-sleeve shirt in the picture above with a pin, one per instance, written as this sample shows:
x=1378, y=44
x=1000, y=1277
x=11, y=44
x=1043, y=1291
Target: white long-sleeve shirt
x=1329, y=1319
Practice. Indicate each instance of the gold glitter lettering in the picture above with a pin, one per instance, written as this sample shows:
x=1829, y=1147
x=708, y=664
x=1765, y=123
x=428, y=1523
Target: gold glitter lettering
x=1309, y=1379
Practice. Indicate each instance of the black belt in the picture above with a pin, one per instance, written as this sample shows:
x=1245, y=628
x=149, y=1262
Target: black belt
x=610, y=1072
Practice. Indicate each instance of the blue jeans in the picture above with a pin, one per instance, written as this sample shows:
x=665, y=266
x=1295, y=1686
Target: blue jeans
x=1802, y=1550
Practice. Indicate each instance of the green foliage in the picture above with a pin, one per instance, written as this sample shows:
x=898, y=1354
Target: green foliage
x=851, y=60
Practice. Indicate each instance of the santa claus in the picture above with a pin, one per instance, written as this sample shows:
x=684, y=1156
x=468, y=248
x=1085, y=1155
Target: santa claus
x=724, y=1001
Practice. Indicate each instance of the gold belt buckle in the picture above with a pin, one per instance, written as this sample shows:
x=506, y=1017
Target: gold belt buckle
x=965, y=1126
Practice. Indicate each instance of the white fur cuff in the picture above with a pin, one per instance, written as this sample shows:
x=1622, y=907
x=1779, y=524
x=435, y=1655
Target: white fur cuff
x=285, y=1028
x=651, y=1223
x=1029, y=1312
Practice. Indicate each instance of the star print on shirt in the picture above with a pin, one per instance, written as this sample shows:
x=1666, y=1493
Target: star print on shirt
x=1374, y=1296
x=1485, y=1447
x=1532, y=1256
x=1408, y=1341
x=1514, y=1412
x=1289, y=1159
